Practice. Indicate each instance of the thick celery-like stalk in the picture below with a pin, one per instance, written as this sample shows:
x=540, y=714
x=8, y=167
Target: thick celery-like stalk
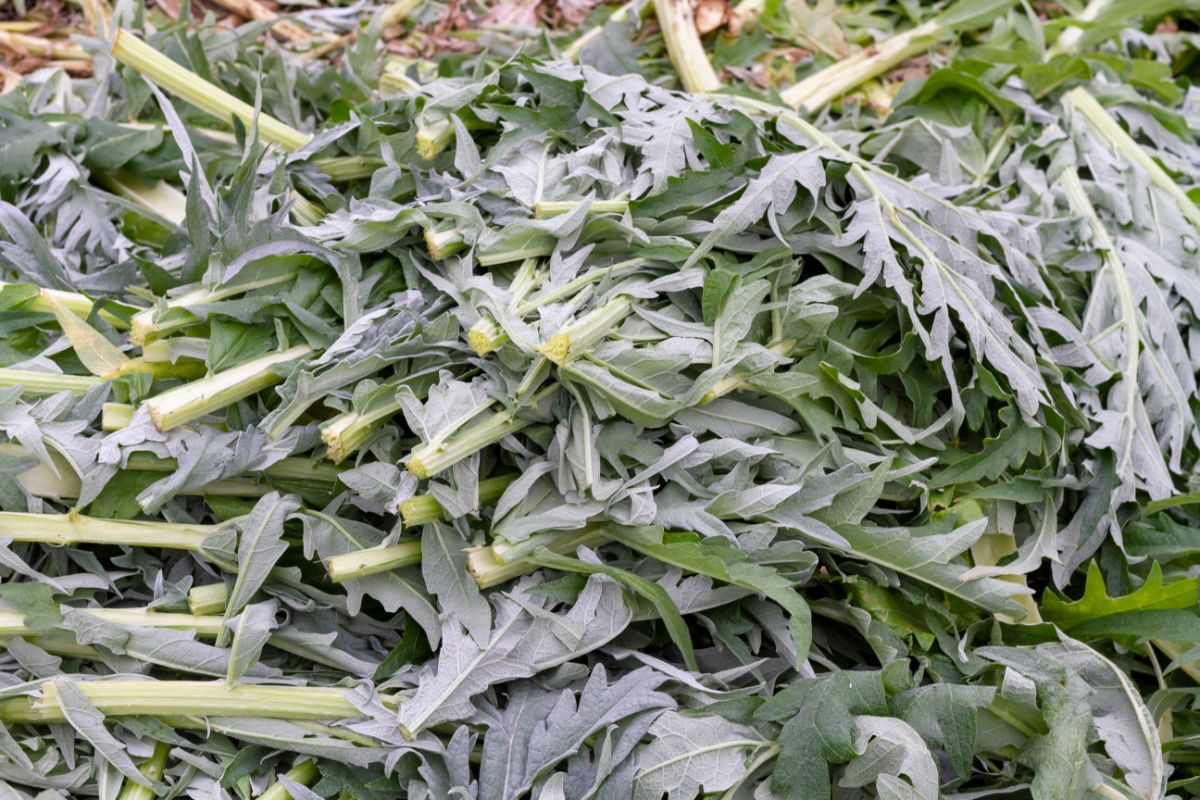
x=150, y=323
x=75, y=529
x=115, y=416
x=819, y=90
x=152, y=768
x=553, y=208
x=162, y=71
x=159, y=197
x=349, y=168
x=303, y=774
x=584, y=333
x=485, y=336
x=433, y=136
x=491, y=566
x=731, y=382
x=207, y=599
x=184, y=403
x=187, y=698
x=43, y=383
x=442, y=243
x=442, y=452
x=360, y=563
x=78, y=304
x=678, y=23
x=425, y=508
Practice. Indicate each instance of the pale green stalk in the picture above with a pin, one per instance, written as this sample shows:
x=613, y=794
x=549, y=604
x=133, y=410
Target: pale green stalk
x=305, y=774
x=455, y=442
x=492, y=566
x=433, y=136
x=184, y=403
x=60, y=481
x=821, y=89
x=159, y=197
x=186, y=698
x=687, y=53
x=554, y=208
x=115, y=416
x=76, y=529
x=305, y=211
x=581, y=335
x=732, y=382
x=485, y=336
x=178, y=80
x=172, y=314
x=44, y=383
x=1121, y=142
x=347, y=432
x=207, y=599
x=443, y=243
x=360, y=563
x=425, y=508
x=342, y=169
x=571, y=287
x=153, y=769
x=78, y=304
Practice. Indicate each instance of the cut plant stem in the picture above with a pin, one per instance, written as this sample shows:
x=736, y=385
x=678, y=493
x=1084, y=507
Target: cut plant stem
x=305, y=211
x=349, y=430
x=44, y=383
x=187, y=698
x=43, y=48
x=173, y=313
x=819, y=90
x=115, y=416
x=12, y=623
x=303, y=774
x=442, y=453
x=78, y=304
x=492, y=566
x=159, y=197
x=360, y=563
x=732, y=382
x=678, y=24
x=184, y=403
x=553, y=208
x=425, y=508
x=61, y=482
x=443, y=243
x=584, y=333
x=572, y=287
x=76, y=529
x=485, y=336
x=1121, y=142
x=433, y=136
x=207, y=599
x=342, y=169
x=178, y=80
x=153, y=769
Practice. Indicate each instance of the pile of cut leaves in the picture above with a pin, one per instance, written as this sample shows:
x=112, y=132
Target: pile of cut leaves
x=503, y=427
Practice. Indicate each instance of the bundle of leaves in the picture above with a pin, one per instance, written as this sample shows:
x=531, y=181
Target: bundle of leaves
x=542, y=432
